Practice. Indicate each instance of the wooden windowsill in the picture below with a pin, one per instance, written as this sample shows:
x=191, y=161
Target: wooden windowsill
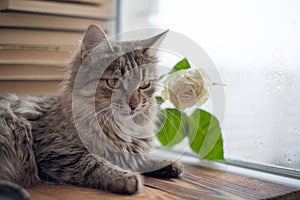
x=198, y=182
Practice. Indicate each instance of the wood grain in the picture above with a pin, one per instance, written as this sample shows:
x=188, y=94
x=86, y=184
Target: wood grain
x=47, y=87
x=104, y=11
x=48, y=22
x=196, y=183
x=39, y=37
x=31, y=56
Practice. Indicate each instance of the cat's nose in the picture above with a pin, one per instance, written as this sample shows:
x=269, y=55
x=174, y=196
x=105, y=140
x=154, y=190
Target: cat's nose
x=133, y=106
x=134, y=101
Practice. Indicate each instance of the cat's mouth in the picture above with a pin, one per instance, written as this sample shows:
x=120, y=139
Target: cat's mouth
x=129, y=113
x=133, y=113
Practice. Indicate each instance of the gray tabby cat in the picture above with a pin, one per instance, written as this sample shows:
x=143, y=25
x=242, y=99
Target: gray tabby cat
x=39, y=137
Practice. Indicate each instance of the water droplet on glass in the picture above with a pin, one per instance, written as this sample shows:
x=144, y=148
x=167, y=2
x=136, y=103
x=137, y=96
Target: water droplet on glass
x=295, y=130
x=262, y=145
x=289, y=160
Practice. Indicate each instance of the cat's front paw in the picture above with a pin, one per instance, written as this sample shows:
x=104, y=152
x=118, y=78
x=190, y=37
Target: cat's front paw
x=176, y=169
x=128, y=183
x=171, y=170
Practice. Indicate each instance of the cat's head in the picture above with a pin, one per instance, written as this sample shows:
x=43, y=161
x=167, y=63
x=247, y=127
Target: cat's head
x=124, y=73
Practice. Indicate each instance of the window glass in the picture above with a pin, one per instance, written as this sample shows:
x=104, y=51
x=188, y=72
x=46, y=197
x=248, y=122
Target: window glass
x=255, y=45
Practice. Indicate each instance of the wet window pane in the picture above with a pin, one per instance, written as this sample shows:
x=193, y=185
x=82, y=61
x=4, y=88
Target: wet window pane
x=256, y=47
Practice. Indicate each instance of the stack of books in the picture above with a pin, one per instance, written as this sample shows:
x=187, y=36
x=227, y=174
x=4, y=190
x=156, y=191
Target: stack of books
x=37, y=38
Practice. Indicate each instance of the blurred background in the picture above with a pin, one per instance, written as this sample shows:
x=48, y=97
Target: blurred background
x=254, y=45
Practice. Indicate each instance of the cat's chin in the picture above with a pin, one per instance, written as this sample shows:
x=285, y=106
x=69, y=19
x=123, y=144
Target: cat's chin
x=136, y=125
x=129, y=114
x=137, y=119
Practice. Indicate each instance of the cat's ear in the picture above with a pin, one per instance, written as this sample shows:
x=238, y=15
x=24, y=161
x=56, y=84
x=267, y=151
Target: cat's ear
x=153, y=42
x=93, y=36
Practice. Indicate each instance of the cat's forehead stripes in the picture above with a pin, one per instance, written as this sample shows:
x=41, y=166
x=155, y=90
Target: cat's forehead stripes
x=130, y=66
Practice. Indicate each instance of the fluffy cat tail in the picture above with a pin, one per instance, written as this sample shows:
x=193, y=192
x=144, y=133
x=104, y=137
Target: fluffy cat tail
x=11, y=191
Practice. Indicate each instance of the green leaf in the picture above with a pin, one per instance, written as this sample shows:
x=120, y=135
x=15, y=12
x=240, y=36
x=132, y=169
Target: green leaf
x=159, y=99
x=174, y=128
x=183, y=64
x=205, y=135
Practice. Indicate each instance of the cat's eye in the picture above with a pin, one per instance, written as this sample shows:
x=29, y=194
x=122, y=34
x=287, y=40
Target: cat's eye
x=112, y=83
x=144, y=85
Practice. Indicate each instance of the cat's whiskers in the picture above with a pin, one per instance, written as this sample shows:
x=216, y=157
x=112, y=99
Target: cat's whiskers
x=105, y=117
x=103, y=110
x=117, y=108
x=101, y=105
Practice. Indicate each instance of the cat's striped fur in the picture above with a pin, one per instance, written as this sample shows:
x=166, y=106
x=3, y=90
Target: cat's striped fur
x=43, y=140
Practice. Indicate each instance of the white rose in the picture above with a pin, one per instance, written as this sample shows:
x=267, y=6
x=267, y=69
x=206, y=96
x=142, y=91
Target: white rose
x=185, y=88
